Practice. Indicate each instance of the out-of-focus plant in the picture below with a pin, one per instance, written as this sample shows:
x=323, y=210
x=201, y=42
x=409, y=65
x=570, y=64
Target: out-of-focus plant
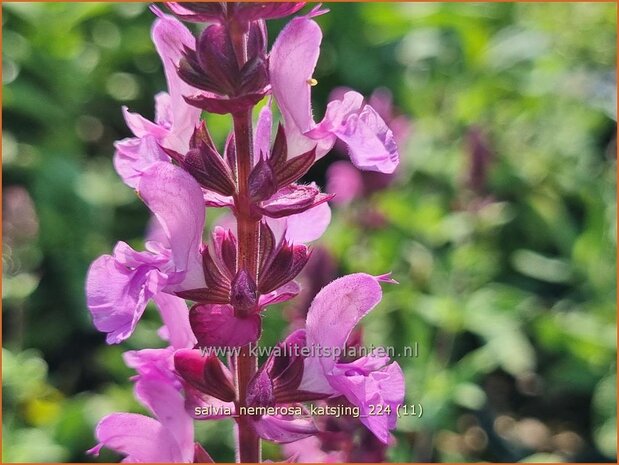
x=505, y=226
x=503, y=215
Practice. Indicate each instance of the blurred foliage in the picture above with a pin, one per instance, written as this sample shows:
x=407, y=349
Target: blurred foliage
x=500, y=226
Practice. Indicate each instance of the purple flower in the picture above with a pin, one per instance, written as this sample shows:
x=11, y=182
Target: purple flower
x=381, y=100
x=291, y=65
x=346, y=181
x=119, y=286
x=177, y=170
x=365, y=382
x=175, y=315
x=166, y=438
x=169, y=436
x=175, y=120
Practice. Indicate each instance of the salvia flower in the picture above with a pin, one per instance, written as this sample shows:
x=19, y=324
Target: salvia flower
x=365, y=382
x=292, y=62
x=175, y=120
x=169, y=436
x=119, y=286
x=253, y=254
x=347, y=182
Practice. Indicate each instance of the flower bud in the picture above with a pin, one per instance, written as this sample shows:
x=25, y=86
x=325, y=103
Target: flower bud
x=215, y=55
x=293, y=199
x=218, y=326
x=262, y=183
x=230, y=85
x=260, y=391
x=225, y=245
x=205, y=373
x=209, y=169
x=284, y=265
x=243, y=295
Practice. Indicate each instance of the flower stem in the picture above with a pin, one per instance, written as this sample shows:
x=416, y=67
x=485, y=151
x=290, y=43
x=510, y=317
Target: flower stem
x=248, y=442
x=248, y=445
x=248, y=231
x=248, y=222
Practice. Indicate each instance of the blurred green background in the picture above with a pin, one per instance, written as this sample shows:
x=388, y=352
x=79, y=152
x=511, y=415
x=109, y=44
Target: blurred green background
x=500, y=226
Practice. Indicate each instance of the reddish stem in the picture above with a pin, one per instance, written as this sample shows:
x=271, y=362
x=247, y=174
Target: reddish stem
x=248, y=237
x=248, y=221
x=246, y=365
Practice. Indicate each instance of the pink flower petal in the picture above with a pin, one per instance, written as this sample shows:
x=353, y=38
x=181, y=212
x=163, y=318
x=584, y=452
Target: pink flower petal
x=175, y=316
x=153, y=363
x=370, y=142
x=141, y=127
x=134, y=156
x=309, y=225
x=291, y=64
x=262, y=136
x=125, y=255
x=213, y=199
x=337, y=309
x=303, y=227
x=168, y=404
x=283, y=429
x=163, y=109
x=117, y=296
x=138, y=437
x=282, y=294
x=384, y=388
x=176, y=199
x=333, y=314
x=170, y=36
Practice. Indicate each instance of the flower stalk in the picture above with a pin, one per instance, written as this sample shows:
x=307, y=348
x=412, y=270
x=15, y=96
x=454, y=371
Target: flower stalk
x=251, y=261
x=248, y=230
x=248, y=442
